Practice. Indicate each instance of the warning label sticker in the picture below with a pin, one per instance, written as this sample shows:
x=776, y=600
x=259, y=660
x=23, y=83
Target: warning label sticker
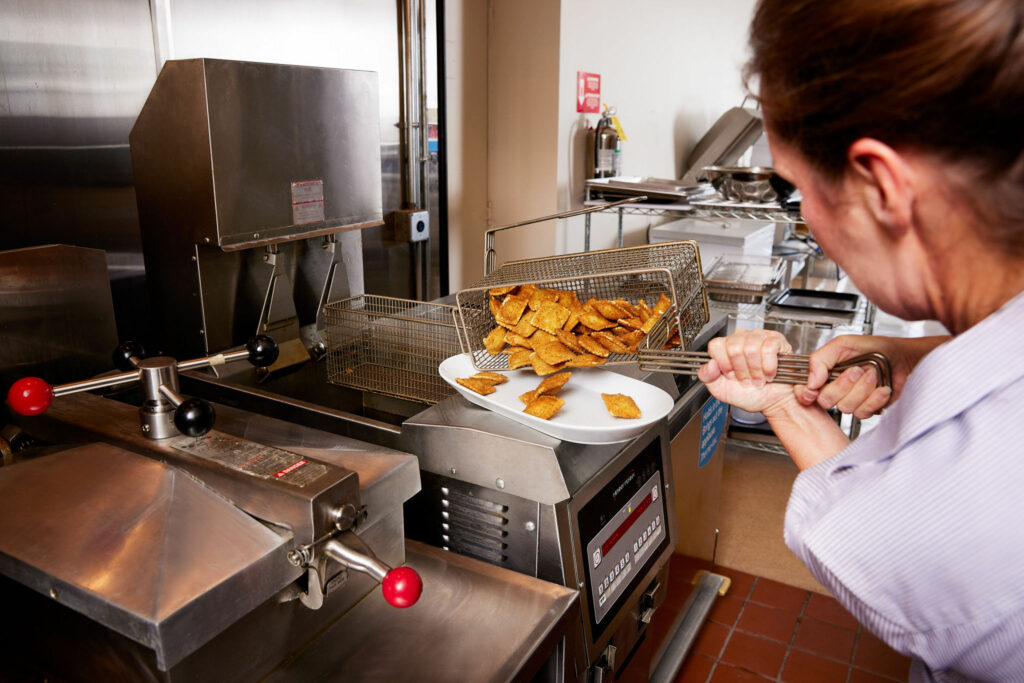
x=257, y=460
x=307, y=201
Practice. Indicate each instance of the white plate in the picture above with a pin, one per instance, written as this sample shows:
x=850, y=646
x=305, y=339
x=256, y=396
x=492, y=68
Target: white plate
x=584, y=417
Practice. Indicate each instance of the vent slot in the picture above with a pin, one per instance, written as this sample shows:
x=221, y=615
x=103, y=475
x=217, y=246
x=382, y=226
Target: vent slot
x=462, y=547
x=474, y=526
x=462, y=500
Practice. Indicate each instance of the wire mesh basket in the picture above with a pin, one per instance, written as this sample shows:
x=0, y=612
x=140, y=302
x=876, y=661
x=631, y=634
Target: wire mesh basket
x=390, y=346
x=635, y=274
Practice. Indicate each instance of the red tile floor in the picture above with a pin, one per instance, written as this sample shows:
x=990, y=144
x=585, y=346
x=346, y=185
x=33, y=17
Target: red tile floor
x=765, y=630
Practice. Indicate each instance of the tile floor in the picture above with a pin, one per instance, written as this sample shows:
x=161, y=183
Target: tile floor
x=766, y=630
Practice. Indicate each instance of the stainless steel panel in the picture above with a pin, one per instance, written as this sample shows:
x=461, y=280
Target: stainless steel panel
x=387, y=478
x=451, y=633
x=305, y=510
x=218, y=144
x=136, y=546
x=56, y=315
x=74, y=75
x=72, y=78
x=216, y=151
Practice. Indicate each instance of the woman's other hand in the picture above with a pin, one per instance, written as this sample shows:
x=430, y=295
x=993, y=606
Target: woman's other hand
x=856, y=391
x=741, y=368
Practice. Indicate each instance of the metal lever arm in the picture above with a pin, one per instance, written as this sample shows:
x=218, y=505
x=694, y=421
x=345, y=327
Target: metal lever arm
x=401, y=586
x=32, y=396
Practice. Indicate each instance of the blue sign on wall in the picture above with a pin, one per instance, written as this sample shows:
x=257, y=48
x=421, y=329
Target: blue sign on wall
x=712, y=419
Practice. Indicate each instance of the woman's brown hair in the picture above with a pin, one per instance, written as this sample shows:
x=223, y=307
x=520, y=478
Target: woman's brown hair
x=939, y=76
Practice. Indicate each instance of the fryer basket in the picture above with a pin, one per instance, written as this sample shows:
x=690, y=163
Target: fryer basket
x=390, y=346
x=632, y=273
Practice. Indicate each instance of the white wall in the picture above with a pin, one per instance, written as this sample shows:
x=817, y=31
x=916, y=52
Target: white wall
x=670, y=67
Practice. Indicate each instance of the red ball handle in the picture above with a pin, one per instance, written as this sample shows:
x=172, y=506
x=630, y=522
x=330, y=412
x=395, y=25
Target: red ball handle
x=30, y=396
x=402, y=587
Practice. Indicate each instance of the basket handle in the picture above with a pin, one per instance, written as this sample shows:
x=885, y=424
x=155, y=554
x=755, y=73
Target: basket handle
x=490, y=257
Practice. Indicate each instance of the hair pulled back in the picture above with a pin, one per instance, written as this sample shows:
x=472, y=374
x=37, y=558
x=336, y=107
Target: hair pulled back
x=944, y=77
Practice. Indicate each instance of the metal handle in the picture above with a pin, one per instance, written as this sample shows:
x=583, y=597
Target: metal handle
x=489, y=255
x=401, y=586
x=31, y=395
x=793, y=368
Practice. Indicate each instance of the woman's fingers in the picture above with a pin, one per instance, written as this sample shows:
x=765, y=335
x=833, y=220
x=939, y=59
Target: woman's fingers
x=874, y=403
x=855, y=392
x=709, y=372
x=770, y=350
x=719, y=355
x=750, y=355
x=858, y=385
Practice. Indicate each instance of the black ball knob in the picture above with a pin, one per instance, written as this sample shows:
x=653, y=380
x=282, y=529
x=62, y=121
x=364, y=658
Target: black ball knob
x=122, y=355
x=194, y=417
x=263, y=351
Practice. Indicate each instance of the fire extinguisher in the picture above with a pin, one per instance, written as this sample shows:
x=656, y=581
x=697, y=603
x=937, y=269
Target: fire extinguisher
x=604, y=146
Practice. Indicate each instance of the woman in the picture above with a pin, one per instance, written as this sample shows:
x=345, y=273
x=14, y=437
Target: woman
x=901, y=123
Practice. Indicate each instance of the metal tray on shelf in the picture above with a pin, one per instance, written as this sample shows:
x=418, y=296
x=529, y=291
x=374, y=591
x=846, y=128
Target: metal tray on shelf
x=745, y=281
x=817, y=300
x=641, y=273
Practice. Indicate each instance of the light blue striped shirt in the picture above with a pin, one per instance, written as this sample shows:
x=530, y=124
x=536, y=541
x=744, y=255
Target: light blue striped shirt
x=918, y=526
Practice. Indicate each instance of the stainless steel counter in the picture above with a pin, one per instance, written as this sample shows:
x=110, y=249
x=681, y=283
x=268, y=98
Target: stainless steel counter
x=475, y=622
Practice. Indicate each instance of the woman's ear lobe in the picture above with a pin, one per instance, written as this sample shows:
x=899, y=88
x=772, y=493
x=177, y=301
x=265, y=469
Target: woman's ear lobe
x=885, y=180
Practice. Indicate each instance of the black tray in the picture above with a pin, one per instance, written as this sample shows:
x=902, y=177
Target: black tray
x=815, y=300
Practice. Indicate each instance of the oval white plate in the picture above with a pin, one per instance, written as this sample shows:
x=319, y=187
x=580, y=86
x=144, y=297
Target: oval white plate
x=584, y=417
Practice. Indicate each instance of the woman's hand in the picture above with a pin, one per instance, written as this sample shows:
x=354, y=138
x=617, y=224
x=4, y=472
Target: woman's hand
x=741, y=368
x=856, y=391
x=740, y=371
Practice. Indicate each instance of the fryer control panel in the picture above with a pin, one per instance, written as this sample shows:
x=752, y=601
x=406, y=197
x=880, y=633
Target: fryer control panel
x=624, y=529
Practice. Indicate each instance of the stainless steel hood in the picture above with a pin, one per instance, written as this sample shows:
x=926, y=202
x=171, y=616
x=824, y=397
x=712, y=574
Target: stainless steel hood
x=240, y=154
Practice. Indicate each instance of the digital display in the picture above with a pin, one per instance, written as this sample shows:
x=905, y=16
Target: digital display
x=624, y=529
x=621, y=531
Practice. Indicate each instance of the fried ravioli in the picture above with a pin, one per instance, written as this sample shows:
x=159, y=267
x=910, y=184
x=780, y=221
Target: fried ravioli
x=477, y=385
x=620, y=405
x=491, y=377
x=610, y=342
x=495, y=341
x=554, y=352
x=593, y=346
x=541, y=297
x=520, y=359
x=553, y=383
x=661, y=305
x=525, y=326
x=551, y=317
x=511, y=310
x=595, y=321
x=570, y=340
x=608, y=309
x=544, y=407
x=585, y=360
x=542, y=368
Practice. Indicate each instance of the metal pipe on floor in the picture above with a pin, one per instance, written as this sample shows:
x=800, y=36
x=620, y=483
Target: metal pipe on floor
x=666, y=663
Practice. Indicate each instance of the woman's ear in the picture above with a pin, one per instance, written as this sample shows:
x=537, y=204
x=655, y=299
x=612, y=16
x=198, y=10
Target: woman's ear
x=884, y=178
